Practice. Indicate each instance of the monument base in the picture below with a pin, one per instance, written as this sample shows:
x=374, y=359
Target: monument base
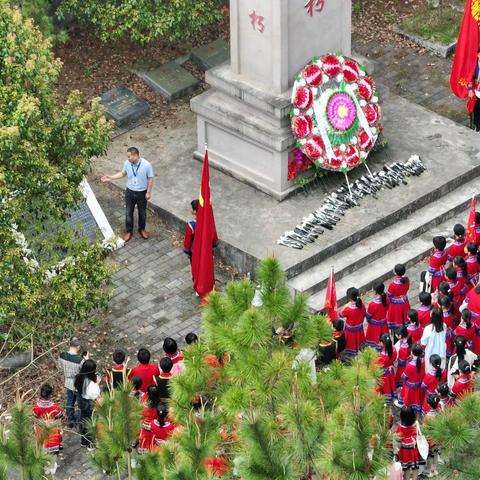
x=247, y=132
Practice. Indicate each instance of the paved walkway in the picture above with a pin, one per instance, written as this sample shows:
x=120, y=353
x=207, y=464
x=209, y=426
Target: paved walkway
x=152, y=299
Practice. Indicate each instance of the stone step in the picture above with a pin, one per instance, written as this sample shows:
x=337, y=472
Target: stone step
x=385, y=240
x=380, y=269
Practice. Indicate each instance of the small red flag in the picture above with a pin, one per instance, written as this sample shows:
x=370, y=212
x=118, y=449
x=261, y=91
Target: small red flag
x=465, y=58
x=330, y=305
x=471, y=234
x=205, y=238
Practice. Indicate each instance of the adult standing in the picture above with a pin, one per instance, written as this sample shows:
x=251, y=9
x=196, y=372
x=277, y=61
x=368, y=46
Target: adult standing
x=69, y=363
x=434, y=338
x=139, y=173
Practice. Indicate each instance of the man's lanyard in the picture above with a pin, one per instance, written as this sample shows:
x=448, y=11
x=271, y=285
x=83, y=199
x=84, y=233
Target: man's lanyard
x=138, y=166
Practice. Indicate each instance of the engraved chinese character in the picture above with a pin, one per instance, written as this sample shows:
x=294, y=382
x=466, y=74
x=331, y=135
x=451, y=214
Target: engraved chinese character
x=257, y=21
x=314, y=6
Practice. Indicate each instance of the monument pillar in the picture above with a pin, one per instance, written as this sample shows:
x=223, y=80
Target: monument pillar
x=244, y=116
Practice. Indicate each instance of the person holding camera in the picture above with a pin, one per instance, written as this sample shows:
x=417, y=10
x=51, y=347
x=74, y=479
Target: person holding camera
x=87, y=386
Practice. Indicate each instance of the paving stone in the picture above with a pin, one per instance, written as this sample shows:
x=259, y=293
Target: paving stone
x=212, y=54
x=170, y=80
x=123, y=106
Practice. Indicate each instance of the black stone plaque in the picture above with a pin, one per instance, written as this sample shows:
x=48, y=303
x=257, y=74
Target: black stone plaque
x=212, y=54
x=123, y=106
x=170, y=80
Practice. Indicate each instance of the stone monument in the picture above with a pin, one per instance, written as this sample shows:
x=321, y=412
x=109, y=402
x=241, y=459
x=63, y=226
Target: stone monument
x=244, y=116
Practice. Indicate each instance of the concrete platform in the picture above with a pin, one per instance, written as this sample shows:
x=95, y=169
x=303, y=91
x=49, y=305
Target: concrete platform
x=250, y=222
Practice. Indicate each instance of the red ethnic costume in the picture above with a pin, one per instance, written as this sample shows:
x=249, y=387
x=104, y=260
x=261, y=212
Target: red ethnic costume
x=456, y=249
x=47, y=410
x=408, y=454
x=146, y=436
x=412, y=393
x=403, y=355
x=424, y=314
x=436, y=268
x=399, y=304
x=430, y=384
x=376, y=322
x=354, y=336
x=386, y=385
x=464, y=384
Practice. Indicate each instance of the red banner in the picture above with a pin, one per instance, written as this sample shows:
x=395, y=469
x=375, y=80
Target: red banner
x=471, y=234
x=466, y=52
x=330, y=305
x=205, y=238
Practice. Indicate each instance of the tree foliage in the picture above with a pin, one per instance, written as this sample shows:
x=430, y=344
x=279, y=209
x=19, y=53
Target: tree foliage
x=457, y=430
x=45, y=151
x=19, y=450
x=145, y=20
x=264, y=418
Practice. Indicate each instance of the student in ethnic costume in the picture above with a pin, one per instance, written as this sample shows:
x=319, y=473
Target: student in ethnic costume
x=149, y=414
x=406, y=448
x=465, y=329
x=403, y=347
x=377, y=317
x=354, y=314
x=414, y=328
x=412, y=393
x=398, y=299
x=464, y=381
x=386, y=360
x=424, y=311
x=457, y=248
x=460, y=266
x=435, y=376
x=472, y=265
x=437, y=262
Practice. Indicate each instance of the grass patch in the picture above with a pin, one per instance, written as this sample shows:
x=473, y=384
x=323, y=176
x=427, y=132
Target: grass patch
x=436, y=24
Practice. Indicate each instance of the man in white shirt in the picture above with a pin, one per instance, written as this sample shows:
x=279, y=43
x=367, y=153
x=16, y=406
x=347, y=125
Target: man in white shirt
x=139, y=175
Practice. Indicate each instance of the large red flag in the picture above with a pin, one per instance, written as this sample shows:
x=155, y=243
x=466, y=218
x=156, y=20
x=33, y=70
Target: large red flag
x=465, y=58
x=205, y=238
x=471, y=234
x=330, y=305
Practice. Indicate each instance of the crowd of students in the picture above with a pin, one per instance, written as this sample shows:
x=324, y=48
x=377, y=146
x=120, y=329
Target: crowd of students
x=428, y=355
x=85, y=386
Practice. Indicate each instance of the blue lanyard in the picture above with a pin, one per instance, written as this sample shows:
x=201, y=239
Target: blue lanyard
x=138, y=166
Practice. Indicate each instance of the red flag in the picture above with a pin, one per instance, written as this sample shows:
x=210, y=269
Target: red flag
x=471, y=234
x=465, y=59
x=205, y=238
x=330, y=305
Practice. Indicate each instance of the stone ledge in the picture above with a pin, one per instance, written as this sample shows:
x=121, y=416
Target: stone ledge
x=242, y=119
x=438, y=49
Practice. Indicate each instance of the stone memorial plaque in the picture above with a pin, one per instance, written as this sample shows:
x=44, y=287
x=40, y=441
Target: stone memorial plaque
x=212, y=54
x=123, y=106
x=170, y=80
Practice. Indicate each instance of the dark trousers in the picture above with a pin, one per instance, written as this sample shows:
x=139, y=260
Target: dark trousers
x=86, y=409
x=476, y=116
x=133, y=198
x=72, y=398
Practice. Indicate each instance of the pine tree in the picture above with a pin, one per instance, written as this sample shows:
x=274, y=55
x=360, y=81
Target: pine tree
x=457, y=430
x=19, y=450
x=114, y=427
x=279, y=424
